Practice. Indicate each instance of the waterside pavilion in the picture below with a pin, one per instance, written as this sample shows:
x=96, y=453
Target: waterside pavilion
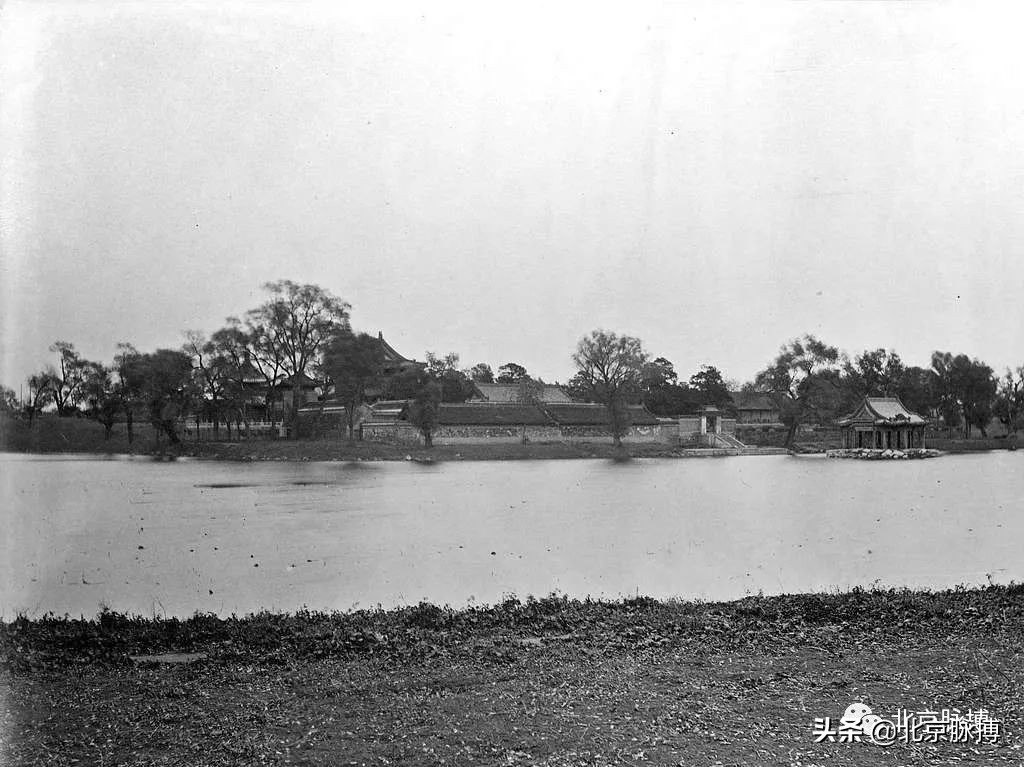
x=882, y=423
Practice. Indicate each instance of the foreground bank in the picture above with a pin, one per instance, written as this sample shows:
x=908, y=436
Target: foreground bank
x=550, y=681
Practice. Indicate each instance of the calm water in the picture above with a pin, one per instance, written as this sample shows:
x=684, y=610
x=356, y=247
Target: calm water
x=173, y=538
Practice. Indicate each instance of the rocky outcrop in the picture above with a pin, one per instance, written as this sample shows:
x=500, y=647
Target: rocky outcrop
x=868, y=454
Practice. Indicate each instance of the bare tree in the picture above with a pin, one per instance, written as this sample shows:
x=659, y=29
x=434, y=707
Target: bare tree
x=101, y=396
x=610, y=367
x=293, y=328
x=40, y=394
x=212, y=371
x=68, y=378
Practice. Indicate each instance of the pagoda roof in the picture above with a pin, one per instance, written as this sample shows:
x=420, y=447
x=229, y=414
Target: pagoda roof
x=883, y=411
x=391, y=356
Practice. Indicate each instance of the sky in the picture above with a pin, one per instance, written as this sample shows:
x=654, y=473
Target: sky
x=499, y=179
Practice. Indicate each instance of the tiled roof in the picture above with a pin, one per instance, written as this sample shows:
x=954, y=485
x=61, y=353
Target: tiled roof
x=392, y=358
x=589, y=414
x=502, y=392
x=892, y=409
x=388, y=410
x=302, y=379
x=490, y=414
x=752, y=400
x=883, y=411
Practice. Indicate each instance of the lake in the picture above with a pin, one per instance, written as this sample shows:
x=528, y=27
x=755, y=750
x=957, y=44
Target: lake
x=172, y=538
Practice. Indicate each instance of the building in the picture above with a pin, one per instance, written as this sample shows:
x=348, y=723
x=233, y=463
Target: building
x=519, y=392
x=394, y=363
x=882, y=423
x=755, y=409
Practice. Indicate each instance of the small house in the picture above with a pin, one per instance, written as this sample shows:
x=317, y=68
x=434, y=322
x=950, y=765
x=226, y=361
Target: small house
x=754, y=408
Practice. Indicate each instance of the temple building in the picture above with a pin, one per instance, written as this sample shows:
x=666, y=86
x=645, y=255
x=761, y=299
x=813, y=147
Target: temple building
x=882, y=423
x=395, y=363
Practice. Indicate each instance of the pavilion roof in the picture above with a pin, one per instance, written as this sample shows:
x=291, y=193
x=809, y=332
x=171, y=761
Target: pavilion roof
x=391, y=356
x=883, y=411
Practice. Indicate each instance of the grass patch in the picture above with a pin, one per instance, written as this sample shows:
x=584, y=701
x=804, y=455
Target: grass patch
x=537, y=681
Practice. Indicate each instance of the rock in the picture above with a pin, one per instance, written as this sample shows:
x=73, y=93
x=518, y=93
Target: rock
x=528, y=641
x=171, y=658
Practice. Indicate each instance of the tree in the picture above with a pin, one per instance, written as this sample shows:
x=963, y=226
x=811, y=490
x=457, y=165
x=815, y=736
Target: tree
x=708, y=382
x=129, y=384
x=294, y=327
x=163, y=380
x=1009, y=404
x=578, y=388
x=405, y=384
x=511, y=372
x=966, y=390
x=916, y=389
x=877, y=373
x=481, y=373
x=661, y=392
x=101, y=396
x=424, y=409
x=8, y=400
x=254, y=357
x=657, y=375
x=803, y=380
x=213, y=368
x=610, y=368
x=353, y=362
x=67, y=379
x=455, y=385
x=40, y=394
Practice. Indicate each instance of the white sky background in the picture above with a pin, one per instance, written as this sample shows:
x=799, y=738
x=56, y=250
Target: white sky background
x=499, y=179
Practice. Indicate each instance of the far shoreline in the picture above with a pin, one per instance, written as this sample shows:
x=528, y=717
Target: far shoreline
x=81, y=436
x=303, y=451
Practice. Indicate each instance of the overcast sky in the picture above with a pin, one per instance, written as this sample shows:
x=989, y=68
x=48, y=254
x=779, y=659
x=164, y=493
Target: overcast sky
x=497, y=179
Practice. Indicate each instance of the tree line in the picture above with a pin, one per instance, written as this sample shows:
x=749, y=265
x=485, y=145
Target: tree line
x=808, y=382
x=301, y=336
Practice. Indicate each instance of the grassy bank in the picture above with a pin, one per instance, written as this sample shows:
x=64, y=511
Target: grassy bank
x=50, y=434
x=550, y=681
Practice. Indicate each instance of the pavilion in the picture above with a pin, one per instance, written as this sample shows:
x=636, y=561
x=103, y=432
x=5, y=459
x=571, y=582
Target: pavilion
x=882, y=423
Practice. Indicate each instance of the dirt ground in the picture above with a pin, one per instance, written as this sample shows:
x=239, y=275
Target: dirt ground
x=548, y=682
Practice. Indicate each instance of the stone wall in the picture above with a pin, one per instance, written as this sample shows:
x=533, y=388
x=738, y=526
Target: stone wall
x=652, y=433
x=403, y=433
x=317, y=425
x=399, y=432
x=468, y=435
x=689, y=430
